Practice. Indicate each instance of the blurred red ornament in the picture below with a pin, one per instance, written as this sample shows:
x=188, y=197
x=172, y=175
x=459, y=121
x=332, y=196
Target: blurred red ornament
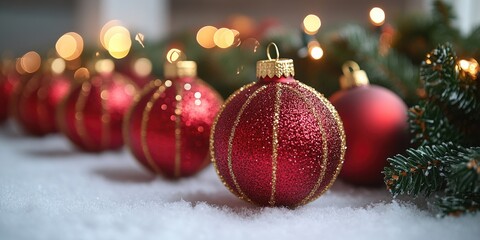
x=91, y=115
x=375, y=122
x=37, y=100
x=168, y=126
x=8, y=84
x=277, y=142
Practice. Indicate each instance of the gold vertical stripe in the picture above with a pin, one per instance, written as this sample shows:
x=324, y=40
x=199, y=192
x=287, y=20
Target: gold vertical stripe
x=80, y=127
x=324, y=145
x=276, y=119
x=341, y=133
x=212, y=136
x=128, y=116
x=230, y=140
x=105, y=118
x=178, y=130
x=143, y=128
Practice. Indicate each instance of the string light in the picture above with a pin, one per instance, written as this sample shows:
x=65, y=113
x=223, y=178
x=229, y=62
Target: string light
x=205, y=36
x=377, y=16
x=311, y=24
x=69, y=46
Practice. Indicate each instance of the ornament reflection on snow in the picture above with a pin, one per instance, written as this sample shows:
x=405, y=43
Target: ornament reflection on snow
x=277, y=142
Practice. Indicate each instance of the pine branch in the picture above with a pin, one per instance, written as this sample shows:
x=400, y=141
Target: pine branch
x=445, y=167
x=429, y=126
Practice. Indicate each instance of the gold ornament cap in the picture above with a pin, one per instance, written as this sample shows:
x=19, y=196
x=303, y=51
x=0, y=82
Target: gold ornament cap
x=353, y=76
x=180, y=69
x=277, y=67
x=176, y=66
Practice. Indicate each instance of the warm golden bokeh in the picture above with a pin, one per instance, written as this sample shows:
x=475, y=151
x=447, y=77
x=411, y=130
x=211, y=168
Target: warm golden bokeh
x=311, y=24
x=142, y=67
x=377, y=16
x=205, y=36
x=174, y=55
x=58, y=66
x=81, y=74
x=224, y=37
x=104, y=66
x=30, y=62
x=69, y=46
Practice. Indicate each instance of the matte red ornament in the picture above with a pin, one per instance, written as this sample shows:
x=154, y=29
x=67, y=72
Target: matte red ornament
x=168, y=126
x=91, y=116
x=277, y=142
x=8, y=85
x=37, y=100
x=375, y=122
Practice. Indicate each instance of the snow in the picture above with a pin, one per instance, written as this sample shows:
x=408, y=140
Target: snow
x=50, y=190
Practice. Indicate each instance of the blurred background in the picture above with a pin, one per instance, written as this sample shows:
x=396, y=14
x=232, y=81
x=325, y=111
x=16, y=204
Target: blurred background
x=409, y=28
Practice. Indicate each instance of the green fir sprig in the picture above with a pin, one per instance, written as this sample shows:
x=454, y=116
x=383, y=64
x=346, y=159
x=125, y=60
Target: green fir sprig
x=445, y=127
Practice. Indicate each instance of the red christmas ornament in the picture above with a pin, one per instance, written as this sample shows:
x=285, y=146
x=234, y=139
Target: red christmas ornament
x=277, y=142
x=8, y=85
x=91, y=116
x=38, y=99
x=375, y=122
x=169, y=124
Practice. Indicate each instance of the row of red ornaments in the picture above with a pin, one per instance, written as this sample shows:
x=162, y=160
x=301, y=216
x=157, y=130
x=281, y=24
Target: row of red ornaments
x=167, y=126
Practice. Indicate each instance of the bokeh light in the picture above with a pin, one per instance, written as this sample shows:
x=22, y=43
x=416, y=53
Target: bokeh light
x=314, y=50
x=224, y=37
x=104, y=66
x=205, y=36
x=142, y=67
x=30, y=62
x=470, y=66
x=377, y=16
x=81, y=74
x=69, y=46
x=311, y=24
x=104, y=30
x=58, y=65
x=174, y=55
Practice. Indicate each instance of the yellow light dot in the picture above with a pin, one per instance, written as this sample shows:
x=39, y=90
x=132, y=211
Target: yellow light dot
x=104, y=30
x=187, y=86
x=30, y=62
x=316, y=52
x=174, y=55
x=178, y=98
x=198, y=95
x=168, y=83
x=377, y=16
x=224, y=37
x=311, y=24
x=118, y=41
x=198, y=102
x=69, y=46
x=58, y=65
x=142, y=67
x=104, y=66
x=205, y=36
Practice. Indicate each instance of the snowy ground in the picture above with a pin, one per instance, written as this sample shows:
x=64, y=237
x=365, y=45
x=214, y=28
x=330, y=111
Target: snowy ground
x=49, y=190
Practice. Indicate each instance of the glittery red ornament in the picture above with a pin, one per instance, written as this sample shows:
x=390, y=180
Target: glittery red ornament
x=277, y=142
x=375, y=122
x=37, y=100
x=91, y=116
x=8, y=85
x=169, y=124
